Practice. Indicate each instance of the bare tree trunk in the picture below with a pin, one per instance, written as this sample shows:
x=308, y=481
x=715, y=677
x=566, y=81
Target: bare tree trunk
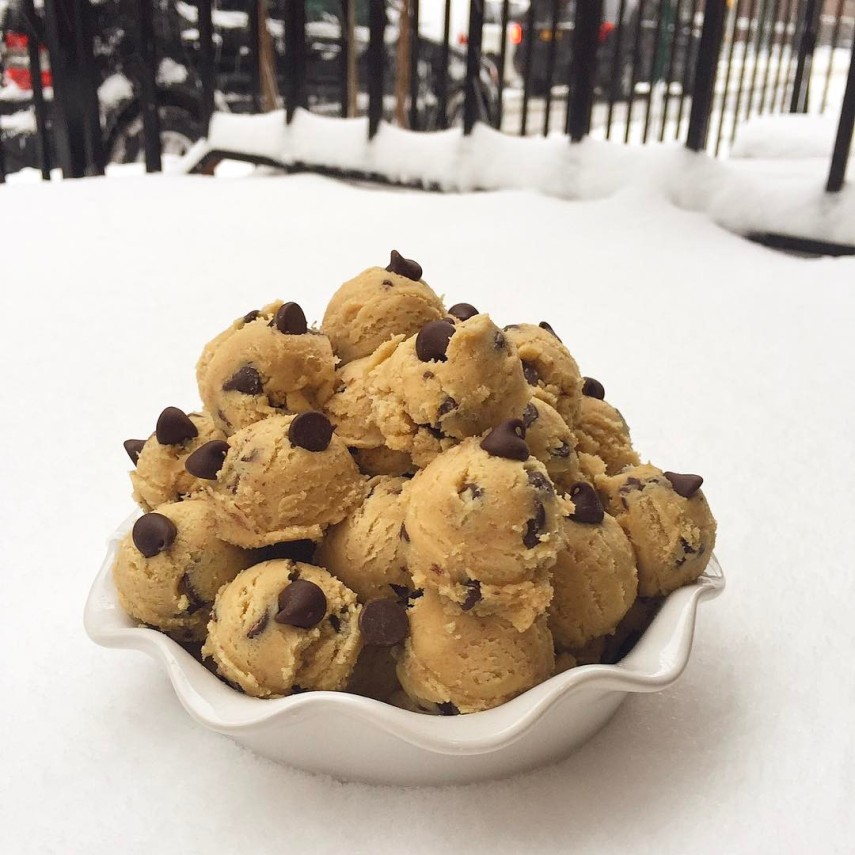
x=352, y=81
x=402, y=63
x=266, y=62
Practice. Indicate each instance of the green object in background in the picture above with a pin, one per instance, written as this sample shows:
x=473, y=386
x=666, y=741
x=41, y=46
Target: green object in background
x=669, y=33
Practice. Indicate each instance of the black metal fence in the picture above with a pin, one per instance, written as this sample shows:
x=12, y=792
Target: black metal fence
x=636, y=70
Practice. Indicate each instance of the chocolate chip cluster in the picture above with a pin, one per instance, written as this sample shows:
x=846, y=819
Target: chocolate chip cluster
x=407, y=502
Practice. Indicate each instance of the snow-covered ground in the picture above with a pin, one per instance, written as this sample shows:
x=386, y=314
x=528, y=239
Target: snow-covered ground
x=727, y=359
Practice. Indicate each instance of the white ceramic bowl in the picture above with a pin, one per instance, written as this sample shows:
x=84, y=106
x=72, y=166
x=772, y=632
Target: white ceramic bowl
x=356, y=738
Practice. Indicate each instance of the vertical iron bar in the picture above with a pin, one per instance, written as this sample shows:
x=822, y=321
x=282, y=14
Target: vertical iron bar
x=835, y=35
x=84, y=37
x=583, y=68
x=760, y=29
x=295, y=57
x=527, y=63
x=843, y=140
x=148, y=87
x=752, y=10
x=788, y=14
x=205, y=26
x=254, y=57
x=657, y=42
x=724, y=94
x=688, y=65
x=776, y=9
x=503, y=59
x=414, y=65
x=636, y=52
x=376, y=63
x=442, y=82
x=473, y=65
x=616, y=70
x=705, y=74
x=669, y=74
x=2, y=162
x=792, y=54
x=550, y=66
x=807, y=43
x=344, y=52
x=34, y=51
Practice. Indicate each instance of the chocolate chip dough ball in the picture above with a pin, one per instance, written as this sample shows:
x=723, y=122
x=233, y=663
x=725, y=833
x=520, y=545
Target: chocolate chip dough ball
x=446, y=383
x=483, y=527
x=667, y=520
x=377, y=305
x=266, y=367
x=282, y=627
x=170, y=566
x=284, y=478
x=551, y=442
x=602, y=430
x=460, y=662
x=160, y=475
x=549, y=368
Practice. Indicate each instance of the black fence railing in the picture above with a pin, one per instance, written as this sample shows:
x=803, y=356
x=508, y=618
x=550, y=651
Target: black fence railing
x=136, y=79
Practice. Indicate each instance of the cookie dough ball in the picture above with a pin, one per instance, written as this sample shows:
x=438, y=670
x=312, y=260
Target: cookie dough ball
x=483, y=527
x=378, y=304
x=668, y=522
x=460, y=662
x=365, y=550
x=349, y=408
x=170, y=566
x=383, y=461
x=448, y=382
x=549, y=368
x=267, y=367
x=602, y=430
x=551, y=442
x=284, y=478
x=594, y=578
x=160, y=475
x=282, y=627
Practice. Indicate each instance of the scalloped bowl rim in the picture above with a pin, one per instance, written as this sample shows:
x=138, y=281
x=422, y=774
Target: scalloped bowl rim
x=657, y=660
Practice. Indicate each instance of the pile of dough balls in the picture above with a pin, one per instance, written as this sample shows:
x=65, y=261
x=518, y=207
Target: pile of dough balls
x=408, y=503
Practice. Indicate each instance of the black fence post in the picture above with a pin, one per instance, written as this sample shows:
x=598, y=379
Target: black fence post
x=376, y=63
x=254, y=46
x=706, y=69
x=442, y=81
x=34, y=32
x=583, y=68
x=77, y=124
x=807, y=43
x=295, y=56
x=503, y=60
x=205, y=25
x=473, y=65
x=148, y=87
x=843, y=141
x=414, y=65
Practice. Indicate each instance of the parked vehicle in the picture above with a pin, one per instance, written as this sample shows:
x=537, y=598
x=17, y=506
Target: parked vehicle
x=178, y=83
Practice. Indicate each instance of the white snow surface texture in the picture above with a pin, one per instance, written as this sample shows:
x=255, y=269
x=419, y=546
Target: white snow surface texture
x=727, y=359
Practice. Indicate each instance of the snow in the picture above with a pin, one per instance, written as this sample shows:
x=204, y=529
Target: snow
x=728, y=359
x=782, y=196
x=170, y=71
x=113, y=91
x=20, y=122
x=789, y=137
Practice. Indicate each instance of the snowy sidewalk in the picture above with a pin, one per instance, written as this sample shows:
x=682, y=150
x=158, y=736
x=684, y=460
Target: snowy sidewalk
x=727, y=359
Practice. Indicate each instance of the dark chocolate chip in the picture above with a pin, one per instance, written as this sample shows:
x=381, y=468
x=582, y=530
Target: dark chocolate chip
x=251, y=455
x=174, y=426
x=473, y=595
x=428, y=375
x=434, y=430
x=432, y=341
x=630, y=485
x=194, y=598
x=499, y=340
x=259, y=626
x=312, y=431
x=687, y=547
x=335, y=622
x=290, y=319
x=530, y=373
x=447, y=708
x=446, y=407
x=134, y=447
x=534, y=527
x=223, y=418
x=404, y=535
x=402, y=594
x=473, y=489
x=548, y=327
x=383, y=623
x=511, y=327
x=507, y=440
x=293, y=574
x=388, y=283
x=246, y=380
x=404, y=266
x=297, y=689
x=152, y=533
x=563, y=450
x=463, y=311
x=292, y=550
x=588, y=508
x=302, y=604
x=530, y=415
x=684, y=485
x=593, y=388
x=207, y=460
x=540, y=482
x=249, y=317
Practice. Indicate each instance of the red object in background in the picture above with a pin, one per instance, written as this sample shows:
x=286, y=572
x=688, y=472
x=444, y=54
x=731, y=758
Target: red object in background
x=516, y=33
x=17, y=61
x=463, y=39
x=605, y=29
